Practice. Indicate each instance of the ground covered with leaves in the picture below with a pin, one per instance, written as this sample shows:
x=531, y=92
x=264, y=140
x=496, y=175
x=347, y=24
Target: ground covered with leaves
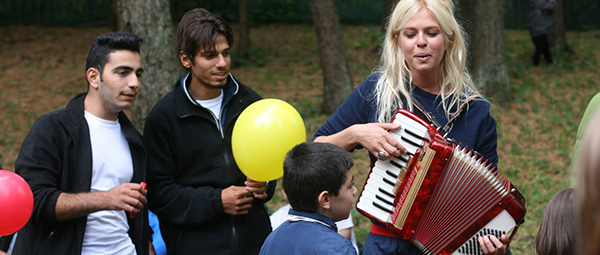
x=42, y=68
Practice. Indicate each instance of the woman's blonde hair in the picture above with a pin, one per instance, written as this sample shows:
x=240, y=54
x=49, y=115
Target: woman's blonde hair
x=456, y=83
x=587, y=189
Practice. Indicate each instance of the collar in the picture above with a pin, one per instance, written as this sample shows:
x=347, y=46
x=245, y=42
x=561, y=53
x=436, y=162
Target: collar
x=231, y=88
x=295, y=216
x=75, y=115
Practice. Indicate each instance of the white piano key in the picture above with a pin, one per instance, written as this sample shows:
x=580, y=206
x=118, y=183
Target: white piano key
x=411, y=148
x=375, y=185
x=389, y=174
x=379, y=181
x=403, y=136
x=394, y=167
x=411, y=124
x=401, y=161
x=369, y=208
x=376, y=206
x=382, y=200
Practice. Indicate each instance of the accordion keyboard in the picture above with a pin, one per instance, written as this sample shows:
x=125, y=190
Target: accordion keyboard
x=501, y=224
x=378, y=195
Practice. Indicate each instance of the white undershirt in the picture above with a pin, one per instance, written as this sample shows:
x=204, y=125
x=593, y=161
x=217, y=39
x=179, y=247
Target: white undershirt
x=106, y=231
x=214, y=105
x=281, y=215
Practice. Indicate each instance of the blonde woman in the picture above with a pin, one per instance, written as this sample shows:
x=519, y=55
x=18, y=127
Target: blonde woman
x=423, y=69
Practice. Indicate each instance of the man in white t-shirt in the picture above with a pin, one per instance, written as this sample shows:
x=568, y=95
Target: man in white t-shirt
x=85, y=163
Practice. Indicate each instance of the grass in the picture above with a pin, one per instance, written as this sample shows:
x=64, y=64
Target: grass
x=42, y=68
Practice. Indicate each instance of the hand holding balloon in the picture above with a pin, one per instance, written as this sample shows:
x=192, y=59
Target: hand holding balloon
x=265, y=131
x=16, y=202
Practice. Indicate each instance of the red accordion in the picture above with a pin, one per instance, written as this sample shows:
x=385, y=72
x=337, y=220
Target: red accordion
x=439, y=196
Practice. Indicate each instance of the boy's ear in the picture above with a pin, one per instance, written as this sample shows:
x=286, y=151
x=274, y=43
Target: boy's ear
x=323, y=200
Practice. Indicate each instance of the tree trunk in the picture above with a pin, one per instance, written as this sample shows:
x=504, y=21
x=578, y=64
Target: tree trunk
x=558, y=39
x=150, y=20
x=115, y=16
x=487, y=52
x=337, y=82
x=244, y=36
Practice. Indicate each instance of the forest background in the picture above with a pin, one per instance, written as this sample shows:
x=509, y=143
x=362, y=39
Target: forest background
x=43, y=46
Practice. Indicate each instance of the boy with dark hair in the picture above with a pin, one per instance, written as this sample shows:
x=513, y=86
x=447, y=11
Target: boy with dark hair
x=204, y=203
x=320, y=187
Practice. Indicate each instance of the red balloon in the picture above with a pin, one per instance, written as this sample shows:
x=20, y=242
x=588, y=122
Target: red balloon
x=16, y=202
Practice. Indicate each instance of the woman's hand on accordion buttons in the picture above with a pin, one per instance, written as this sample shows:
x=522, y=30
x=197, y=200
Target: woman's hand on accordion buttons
x=491, y=245
x=376, y=138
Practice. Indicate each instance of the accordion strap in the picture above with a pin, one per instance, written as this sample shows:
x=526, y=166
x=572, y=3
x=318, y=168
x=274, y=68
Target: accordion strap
x=431, y=118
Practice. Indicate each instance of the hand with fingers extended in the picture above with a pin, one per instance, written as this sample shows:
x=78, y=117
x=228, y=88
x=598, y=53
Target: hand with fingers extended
x=258, y=189
x=491, y=245
x=376, y=138
x=236, y=200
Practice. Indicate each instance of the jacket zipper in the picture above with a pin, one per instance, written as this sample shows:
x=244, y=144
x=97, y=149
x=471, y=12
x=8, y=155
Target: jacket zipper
x=229, y=174
x=46, y=241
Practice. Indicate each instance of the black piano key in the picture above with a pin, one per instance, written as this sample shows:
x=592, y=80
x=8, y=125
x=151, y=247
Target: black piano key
x=384, y=200
x=403, y=159
x=396, y=164
x=382, y=207
x=390, y=173
x=410, y=142
x=389, y=182
x=387, y=193
x=414, y=134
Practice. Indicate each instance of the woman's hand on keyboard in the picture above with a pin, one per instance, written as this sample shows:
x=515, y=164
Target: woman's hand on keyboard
x=376, y=138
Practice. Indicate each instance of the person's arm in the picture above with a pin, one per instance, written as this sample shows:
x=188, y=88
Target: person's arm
x=40, y=163
x=127, y=196
x=353, y=125
x=487, y=137
x=372, y=136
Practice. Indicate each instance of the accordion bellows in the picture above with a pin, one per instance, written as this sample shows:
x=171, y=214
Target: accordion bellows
x=439, y=196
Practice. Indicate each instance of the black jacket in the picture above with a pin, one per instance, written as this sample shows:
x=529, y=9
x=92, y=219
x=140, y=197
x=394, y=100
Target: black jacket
x=190, y=162
x=56, y=157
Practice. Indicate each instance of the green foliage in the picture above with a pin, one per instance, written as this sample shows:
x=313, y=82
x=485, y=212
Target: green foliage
x=55, y=12
x=579, y=15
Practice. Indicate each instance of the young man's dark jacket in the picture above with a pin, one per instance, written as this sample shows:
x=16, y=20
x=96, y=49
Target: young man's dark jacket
x=190, y=162
x=56, y=157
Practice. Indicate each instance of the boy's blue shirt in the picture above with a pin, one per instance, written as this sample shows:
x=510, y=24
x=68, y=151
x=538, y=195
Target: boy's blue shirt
x=315, y=234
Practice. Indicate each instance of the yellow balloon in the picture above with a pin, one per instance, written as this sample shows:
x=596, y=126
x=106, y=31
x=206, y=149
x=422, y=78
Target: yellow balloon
x=263, y=134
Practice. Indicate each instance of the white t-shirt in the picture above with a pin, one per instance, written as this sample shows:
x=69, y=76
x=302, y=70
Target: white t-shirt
x=214, y=105
x=106, y=231
x=281, y=215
